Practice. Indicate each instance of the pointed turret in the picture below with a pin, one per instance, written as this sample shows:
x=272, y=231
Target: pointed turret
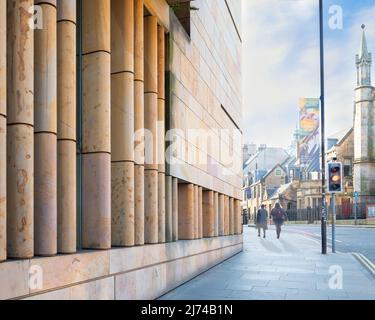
x=363, y=62
x=363, y=52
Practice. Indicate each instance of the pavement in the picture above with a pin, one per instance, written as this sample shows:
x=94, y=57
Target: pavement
x=291, y=268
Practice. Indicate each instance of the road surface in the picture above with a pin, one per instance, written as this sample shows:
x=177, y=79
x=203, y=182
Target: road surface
x=348, y=239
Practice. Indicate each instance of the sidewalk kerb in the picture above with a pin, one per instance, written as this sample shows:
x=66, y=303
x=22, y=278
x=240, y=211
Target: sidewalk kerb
x=365, y=262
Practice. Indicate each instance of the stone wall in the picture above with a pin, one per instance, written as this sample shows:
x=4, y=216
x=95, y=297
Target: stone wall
x=130, y=273
x=77, y=176
x=205, y=80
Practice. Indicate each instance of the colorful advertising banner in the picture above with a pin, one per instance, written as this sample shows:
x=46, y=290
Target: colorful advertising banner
x=308, y=116
x=309, y=134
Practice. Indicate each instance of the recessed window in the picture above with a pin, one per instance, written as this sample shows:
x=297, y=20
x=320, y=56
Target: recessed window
x=278, y=173
x=182, y=9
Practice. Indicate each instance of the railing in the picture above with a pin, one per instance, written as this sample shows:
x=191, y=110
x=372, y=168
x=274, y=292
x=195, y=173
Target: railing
x=343, y=212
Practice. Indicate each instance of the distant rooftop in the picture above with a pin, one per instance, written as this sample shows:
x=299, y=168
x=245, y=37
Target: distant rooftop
x=340, y=134
x=337, y=137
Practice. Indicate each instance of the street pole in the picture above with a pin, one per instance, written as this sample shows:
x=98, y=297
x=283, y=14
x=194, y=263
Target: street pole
x=322, y=119
x=355, y=210
x=333, y=222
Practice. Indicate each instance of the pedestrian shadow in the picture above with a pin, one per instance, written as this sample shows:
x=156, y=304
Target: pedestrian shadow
x=289, y=247
x=270, y=246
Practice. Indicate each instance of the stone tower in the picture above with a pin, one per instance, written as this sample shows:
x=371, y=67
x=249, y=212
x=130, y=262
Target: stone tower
x=364, y=126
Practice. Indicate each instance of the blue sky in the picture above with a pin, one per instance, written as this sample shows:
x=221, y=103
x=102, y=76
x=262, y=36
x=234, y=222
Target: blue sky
x=281, y=64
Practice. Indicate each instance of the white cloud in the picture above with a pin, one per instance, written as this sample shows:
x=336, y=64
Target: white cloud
x=280, y=65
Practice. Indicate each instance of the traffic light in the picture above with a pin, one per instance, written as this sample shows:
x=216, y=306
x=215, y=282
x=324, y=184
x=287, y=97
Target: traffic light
x=334, y=177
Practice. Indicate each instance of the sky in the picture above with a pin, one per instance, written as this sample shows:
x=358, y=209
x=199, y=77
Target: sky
x=281, y=64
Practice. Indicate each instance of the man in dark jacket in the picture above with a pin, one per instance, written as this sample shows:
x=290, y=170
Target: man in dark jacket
x=278, y=215
x=261, y=223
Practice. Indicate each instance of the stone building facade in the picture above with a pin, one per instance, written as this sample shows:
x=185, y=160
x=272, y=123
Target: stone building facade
x=263, y=189
x=94, y=202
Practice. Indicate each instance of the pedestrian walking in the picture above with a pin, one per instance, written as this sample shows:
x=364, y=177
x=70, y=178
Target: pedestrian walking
x=278, y=215
x=261, y=220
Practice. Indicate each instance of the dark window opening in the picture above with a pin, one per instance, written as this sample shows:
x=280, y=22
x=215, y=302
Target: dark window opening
x=182, y=9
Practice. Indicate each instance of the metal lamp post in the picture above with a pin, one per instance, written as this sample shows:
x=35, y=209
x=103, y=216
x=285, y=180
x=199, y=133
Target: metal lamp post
x=322, y=117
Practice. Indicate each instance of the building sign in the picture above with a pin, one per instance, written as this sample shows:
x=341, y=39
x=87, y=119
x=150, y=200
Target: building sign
x=309, y=134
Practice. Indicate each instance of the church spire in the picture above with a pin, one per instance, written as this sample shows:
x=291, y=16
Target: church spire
x=363, y=62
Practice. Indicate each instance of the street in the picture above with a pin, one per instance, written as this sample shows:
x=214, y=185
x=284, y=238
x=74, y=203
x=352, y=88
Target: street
x=348, y=239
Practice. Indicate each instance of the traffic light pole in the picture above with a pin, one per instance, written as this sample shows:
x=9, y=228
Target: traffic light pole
x=355, y=210
x=322, y=117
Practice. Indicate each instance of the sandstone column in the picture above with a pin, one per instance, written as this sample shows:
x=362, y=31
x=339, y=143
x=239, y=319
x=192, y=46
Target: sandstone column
x=161, y=207
x=168, y=209
x=231, y=216
x=174, y=209
x=161, y=133
x=196, y=212
x=96, y=123
x=237, y=217
x=200, y=212
x=3, y=120
x=20, y=130
x=45, y=118
x=226, y=215
x=151, y=115
x=139, y=186
x=66, y=127
x=208, y=214
x=122, y=121
x=216, y=213
x=221, y=214
x=186, y=213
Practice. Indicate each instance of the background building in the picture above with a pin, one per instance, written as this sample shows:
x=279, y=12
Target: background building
x=90, y=211
x=248, y=150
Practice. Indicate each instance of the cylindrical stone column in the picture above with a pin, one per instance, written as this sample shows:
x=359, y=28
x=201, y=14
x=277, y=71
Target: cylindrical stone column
x=66, y=127
x=200, y=212
x=151, y=115
x=231, y=216
x=96, y=125
x=226, y=215
x=139, y=172
x=168, y=209
x=237, y=217
x=196, y=212
x=3, y=124
x=216, y=214
x=122, y=122
x=208, y=214
x=45, y=120
x=221, y=214
x=186, y=213
x=174, y=209
x=161, y=133
x=161, y=207
x=20, y=130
